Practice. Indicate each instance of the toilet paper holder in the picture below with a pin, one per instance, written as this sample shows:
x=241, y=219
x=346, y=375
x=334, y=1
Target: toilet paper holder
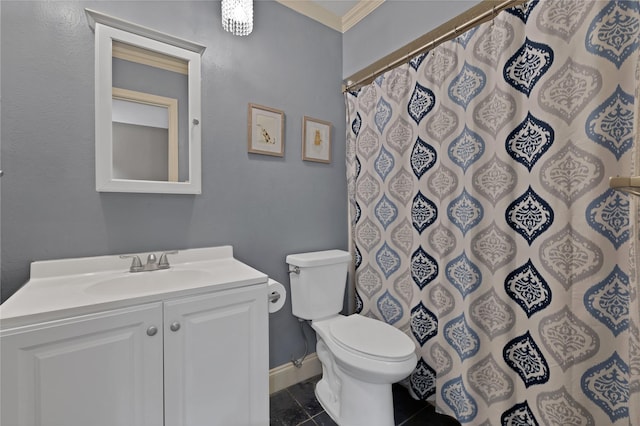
x=274, y=296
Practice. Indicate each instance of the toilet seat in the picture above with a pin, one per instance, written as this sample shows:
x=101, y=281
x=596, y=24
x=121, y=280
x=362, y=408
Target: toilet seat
x=371, y=338
x=367, y=356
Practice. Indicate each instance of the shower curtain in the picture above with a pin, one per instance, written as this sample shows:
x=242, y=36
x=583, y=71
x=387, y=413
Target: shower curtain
x=482, y=223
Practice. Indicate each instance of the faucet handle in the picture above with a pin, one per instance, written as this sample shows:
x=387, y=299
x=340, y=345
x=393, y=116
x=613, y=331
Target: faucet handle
x=163, y=263
x=136, y=263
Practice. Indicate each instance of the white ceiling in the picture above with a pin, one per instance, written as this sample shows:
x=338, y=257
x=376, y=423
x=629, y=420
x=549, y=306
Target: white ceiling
x=337, y=7
x=337, y=14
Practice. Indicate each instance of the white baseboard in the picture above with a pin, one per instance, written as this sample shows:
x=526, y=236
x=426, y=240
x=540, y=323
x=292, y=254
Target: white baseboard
x=283, y=376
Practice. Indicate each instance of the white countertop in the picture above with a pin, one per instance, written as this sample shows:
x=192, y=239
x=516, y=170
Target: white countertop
x=69, y=287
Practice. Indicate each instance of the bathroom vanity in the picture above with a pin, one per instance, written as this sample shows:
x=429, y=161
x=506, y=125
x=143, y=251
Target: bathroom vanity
x=86, y=342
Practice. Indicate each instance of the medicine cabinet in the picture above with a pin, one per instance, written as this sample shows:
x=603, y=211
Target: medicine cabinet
x=147, y=109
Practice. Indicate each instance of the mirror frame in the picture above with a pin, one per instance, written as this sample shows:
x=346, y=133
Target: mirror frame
x=107, y=29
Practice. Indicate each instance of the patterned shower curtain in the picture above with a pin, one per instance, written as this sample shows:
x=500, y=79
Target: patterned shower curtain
x=482, y=221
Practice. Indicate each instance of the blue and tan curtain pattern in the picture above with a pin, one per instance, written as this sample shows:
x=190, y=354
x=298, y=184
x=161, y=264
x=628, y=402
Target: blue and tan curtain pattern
x=482, y=222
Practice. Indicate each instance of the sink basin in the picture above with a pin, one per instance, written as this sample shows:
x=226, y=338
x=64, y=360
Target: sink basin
x=65, y=288
x=138, y=282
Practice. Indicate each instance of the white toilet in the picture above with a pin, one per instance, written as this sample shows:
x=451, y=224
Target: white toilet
x=361, y=357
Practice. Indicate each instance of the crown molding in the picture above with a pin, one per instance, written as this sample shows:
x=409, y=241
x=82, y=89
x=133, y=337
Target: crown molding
x=359, y=12
x=315, y=12
x=339, y=23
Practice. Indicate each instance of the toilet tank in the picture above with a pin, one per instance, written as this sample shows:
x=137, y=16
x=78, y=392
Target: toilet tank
x=317, y=288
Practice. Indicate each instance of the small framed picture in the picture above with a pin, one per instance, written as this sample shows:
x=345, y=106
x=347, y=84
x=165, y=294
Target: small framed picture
x=316, y=140
x=266, y=130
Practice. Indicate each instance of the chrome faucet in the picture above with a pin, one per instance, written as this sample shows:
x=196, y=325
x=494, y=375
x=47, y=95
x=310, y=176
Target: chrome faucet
x=136, y=264
x=152, y=263
x=163, y=263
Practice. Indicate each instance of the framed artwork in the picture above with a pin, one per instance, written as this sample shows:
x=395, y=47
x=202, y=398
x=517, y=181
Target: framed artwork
x=266, y=130
x=316, y=140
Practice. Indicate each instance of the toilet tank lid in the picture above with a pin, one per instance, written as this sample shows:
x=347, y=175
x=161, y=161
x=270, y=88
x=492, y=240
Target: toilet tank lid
x=318, y=258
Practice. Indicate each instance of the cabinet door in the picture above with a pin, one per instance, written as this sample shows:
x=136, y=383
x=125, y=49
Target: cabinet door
x=217, y=359
x=101, y=369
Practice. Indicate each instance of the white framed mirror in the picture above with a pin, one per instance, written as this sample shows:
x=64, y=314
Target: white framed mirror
x=147, y=109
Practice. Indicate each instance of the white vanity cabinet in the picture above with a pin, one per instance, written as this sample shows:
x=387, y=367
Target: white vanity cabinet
x=205, y=364
x=193, y=357
x=99, y=369
x=216, y=359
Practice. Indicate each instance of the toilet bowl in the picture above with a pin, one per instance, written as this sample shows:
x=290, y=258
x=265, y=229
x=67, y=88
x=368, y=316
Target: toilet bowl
x=361, y=357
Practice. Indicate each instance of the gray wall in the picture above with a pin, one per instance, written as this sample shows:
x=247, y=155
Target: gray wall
x=265, y=207
x=391, y=26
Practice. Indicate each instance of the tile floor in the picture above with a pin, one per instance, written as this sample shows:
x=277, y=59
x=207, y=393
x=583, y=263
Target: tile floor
x=297, y=406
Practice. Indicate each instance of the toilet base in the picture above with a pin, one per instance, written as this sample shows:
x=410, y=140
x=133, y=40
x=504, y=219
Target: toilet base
x=323, y=395
x=358, y=404
x=356, y=390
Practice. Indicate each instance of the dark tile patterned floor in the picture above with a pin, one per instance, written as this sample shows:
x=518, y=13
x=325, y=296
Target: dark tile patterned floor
x=297, y=406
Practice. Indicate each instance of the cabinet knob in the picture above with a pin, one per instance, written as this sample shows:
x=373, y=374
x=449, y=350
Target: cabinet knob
x=175, y=326
x=151, y=331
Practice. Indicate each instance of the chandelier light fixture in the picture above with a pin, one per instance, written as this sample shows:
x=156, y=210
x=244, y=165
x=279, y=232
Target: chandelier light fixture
x=237, y=16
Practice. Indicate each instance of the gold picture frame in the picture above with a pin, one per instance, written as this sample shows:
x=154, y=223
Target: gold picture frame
x=316, y=140
x=265, y=130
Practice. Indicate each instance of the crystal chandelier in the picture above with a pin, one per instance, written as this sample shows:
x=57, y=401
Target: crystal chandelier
x=237, y=16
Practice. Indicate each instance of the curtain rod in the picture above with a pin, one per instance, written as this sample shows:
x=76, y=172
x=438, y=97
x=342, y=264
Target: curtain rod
x=478, y=14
